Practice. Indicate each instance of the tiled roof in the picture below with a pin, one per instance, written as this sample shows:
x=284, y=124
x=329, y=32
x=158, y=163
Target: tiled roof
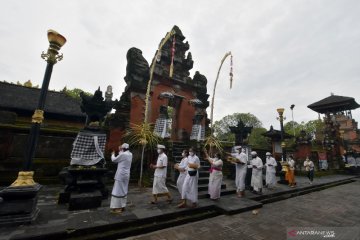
x=16, y=97
x=334, y=103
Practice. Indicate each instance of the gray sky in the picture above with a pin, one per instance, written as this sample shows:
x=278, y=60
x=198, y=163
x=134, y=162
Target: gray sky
x=285, y=52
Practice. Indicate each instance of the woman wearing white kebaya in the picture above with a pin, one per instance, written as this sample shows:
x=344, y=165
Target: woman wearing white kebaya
x=190, y=186
x=270, y=171
x=181, y=167
x=216, y=175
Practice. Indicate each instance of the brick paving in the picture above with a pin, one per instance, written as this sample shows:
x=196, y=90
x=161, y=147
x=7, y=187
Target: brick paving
x=334, y=207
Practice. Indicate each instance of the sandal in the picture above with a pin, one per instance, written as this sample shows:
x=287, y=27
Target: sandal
x=182, y=205
x=116, y=211
x=194, y=205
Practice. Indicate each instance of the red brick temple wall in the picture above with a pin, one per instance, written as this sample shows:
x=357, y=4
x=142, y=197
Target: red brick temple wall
x=303, y=151
x=185, y=113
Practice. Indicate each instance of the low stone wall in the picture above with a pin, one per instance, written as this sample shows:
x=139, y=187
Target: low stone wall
x=52, y=153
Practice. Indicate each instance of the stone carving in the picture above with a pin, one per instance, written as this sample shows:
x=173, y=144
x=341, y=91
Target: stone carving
x=200, y=82
x=108, y=93
x=241, y=132
x=95, y=108
x=137, y=69
x=182, y=64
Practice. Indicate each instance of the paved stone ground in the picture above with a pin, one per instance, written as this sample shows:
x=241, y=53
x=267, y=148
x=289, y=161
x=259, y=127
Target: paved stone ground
x=334, y=207
x=53, y=217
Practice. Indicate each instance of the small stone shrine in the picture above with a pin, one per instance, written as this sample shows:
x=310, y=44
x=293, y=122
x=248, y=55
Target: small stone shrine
x=84, y=177
x=241, y=132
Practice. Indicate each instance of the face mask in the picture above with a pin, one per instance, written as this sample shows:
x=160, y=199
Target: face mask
x=183, y=154
x=191, y=154
x=158, y=151
x=237, y=151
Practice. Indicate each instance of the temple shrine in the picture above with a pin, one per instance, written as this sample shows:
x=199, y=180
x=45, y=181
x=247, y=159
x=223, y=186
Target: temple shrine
x=340, y=134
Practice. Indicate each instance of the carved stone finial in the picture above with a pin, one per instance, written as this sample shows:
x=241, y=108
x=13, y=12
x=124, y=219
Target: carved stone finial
x=108, y=93
x=95, y=108
x=137, y=69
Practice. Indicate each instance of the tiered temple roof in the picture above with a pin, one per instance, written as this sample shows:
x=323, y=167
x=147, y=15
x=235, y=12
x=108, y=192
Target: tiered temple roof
x=334, y=104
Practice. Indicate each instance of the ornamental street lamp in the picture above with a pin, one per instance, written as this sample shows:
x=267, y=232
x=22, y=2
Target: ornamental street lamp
x=52, y=56
x=292, y=116
x=283, y=161
x=19, y=201
x=281, y=119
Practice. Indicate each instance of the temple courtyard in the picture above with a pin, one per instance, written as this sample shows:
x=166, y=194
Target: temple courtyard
x=331, y=201
x=335, y=208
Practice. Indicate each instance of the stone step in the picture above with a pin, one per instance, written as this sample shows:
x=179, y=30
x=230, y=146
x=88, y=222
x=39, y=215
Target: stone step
x=204, y=187
x=224, y=192
x=201, y=187
x=203, y=174
x=86, y=182
x=203, y=180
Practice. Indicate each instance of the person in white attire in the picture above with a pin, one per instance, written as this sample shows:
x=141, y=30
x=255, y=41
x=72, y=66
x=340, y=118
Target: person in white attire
x=240, y=162
x=270, y=171
x=181, y=167
x=309, y=168
x=216, y=176
x=122, y=176
x=256, y=177
x=190, y=186
x=159, y=184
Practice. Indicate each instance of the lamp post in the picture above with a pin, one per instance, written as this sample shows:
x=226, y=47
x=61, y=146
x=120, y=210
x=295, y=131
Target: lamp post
x=283, y=161
x=281, y=119
x=52, y=56
x=19, y=201
x=292, y=116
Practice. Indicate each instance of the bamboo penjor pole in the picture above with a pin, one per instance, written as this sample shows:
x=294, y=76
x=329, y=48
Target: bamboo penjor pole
x=213, y=96
x=144, y=126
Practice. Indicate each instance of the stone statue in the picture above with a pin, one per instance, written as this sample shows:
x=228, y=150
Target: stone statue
x=200, y=82
x=108, y=93
x=95, y=108
x=137, y=69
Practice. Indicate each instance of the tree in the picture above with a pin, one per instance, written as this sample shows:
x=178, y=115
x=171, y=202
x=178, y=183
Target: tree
x=314, y=127
x=292, y=126
x=311, y=127
x=257, y=140
x=74, y=93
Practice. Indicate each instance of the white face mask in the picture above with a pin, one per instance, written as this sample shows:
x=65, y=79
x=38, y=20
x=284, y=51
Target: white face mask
x=158, y=151
x=191, y=154
x=237, y=151
x=183, y=154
